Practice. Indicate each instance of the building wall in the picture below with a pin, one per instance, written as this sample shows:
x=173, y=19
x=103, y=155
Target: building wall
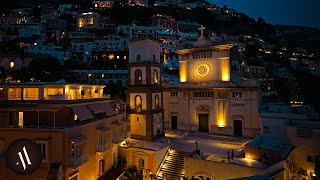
x=288, y=127
x=140, y=126
x=305, y=146
x=152, y=158
x=187, y=107
x=90, y=169
x=146, y=55
x=59, y=148
x=205, y=66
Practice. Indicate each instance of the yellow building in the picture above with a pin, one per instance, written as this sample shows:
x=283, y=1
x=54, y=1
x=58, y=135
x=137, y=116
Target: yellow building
x=74, y=126
x=147, y=146
x=207, y=99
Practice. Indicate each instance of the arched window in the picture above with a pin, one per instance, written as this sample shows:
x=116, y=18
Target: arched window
x=138, y=77
x=141, y=163
x=138, y=103
x=156, y=101
x=155, y=76
x=154, y=58
x=138, y=58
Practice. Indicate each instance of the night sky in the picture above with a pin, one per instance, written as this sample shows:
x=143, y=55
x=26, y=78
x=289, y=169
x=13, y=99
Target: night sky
x=289, y=12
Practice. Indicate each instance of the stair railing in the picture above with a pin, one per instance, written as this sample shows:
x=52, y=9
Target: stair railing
x=162, y=161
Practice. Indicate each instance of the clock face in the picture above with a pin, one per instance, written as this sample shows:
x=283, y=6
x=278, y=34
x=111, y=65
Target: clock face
x=203, y=70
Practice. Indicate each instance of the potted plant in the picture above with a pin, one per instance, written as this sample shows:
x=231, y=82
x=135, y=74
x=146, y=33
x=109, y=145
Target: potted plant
x=133, y=170
x=122, y=161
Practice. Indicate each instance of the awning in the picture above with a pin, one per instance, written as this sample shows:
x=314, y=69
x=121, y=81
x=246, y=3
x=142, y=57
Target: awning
x=23, y=108
x=103, y=129
x=78, y=139
x=102, y=108
x=82, y=112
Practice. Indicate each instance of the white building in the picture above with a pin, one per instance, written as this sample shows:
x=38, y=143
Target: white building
x=102, y=77
x=31, y=31
x=298, y=125
x=54, y=51
x=63, y=7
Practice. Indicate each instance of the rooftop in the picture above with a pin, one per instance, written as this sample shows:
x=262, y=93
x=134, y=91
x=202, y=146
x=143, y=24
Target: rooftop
x=220, y=47
x=155, y=145
x=270, y=142
x=61, y=82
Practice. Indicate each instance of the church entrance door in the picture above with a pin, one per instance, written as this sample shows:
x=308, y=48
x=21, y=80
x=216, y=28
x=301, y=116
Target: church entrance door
x=174, y=122
x=237, y=127
x=203, y=122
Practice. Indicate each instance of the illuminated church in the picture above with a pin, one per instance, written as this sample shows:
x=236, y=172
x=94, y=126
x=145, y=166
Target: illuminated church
x=207, y=99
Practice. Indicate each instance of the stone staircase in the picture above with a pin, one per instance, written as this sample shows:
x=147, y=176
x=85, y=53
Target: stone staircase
x=173, y=166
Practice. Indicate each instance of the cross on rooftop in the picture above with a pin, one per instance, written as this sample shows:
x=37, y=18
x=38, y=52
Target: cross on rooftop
x=201, y=29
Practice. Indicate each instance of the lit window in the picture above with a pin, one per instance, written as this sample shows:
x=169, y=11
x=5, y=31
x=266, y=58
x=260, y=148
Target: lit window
x=141, y=163
x=20, y=119
x=237, y=94
x=138, y=76
x=102, y=75
x=124, y=57
x=111, y=56
x=156, y=102
x=155, y=76
x=118, y=57
x=138, y=103
x=11, y=65
x=76, y=117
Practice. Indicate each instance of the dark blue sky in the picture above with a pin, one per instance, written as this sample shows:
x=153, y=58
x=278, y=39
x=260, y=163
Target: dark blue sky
x=291, y=12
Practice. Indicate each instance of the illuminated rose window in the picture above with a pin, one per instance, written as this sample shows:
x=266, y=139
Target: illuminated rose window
x=203, y=70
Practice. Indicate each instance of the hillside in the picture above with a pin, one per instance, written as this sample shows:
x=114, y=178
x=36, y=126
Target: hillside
x=300, y=36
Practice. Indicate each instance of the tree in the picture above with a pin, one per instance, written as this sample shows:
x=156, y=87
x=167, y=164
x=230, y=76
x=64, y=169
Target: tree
x=151, y=2
x=3, y=75
x=225, y=7
x=261, y=20
x=45, y=68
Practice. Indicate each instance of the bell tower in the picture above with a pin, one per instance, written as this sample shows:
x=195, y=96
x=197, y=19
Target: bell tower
x=144, y=90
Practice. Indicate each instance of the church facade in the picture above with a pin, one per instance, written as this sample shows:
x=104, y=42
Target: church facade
x=206, y=99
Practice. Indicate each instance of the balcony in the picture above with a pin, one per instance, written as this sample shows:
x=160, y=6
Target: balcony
x=75, y=162
x=118, y=139
x=103, y=147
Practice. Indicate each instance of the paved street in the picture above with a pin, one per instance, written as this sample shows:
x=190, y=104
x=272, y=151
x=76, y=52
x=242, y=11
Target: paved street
x=208, y=144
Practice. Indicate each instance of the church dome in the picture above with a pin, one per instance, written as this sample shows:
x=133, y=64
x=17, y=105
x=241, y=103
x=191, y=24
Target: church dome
x=202, y=42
